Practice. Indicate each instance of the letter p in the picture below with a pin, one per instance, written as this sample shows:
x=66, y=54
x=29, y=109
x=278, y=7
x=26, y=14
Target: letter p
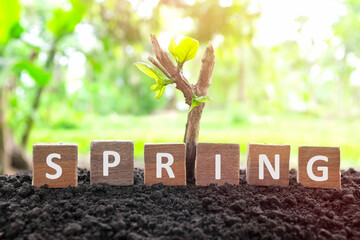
x=106, y=164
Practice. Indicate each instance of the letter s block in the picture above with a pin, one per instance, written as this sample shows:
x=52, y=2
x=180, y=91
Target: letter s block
x=319, y=167
x=165, y=162
x=268, y=164
x=55, y=164
x=112, y=162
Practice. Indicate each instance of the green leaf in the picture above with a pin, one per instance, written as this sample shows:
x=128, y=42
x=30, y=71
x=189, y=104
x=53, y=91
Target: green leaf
x=64, y=22
x=155, y=87
x=172, y=47
x=194, y=103
x=196, y=100
x=148, y=70
x=184, y=51
x=159, y=92
x=204, y=99
x=9, y=17
x=40, y=76
x=187, y=49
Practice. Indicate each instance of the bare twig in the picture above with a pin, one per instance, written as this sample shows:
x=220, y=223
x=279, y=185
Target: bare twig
x=157, y=64
x=207, y=67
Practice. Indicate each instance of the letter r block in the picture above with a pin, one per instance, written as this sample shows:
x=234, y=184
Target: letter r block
x=112, y=162
x=55, y=164
x=165, y=162
x=217, y=163
x=268, y=164
x=319, y=167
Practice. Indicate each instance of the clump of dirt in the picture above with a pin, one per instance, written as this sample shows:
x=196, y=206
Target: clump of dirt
x=101, y=211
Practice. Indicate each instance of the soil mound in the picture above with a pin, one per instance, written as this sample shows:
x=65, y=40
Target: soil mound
x=101, y=211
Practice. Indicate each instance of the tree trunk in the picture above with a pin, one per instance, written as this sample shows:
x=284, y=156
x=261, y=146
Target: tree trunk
x=241, y=91
x=191, y=138
x=4, y=160
x=30, y=119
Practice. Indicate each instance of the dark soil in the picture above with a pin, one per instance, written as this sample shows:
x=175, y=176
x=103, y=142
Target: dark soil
x=188, y=212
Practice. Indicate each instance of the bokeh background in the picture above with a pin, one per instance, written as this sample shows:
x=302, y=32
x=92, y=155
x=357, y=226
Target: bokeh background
x=287, y=71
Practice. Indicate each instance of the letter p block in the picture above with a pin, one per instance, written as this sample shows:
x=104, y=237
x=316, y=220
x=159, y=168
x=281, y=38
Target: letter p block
x=55, y=164
x=112, y=162
x=165, y=162
x=319, y=167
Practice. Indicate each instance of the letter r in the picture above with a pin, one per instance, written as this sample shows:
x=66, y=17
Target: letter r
x=160, y=165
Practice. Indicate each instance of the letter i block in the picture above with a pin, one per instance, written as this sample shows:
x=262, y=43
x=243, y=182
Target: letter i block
x=112, y=162
x=55, y=164
x=165, y=163
x=319, y=167
x=268, y=164
x=217, y=163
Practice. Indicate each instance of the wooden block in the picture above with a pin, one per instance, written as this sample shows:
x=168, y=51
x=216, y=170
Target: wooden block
x=217, y=163
x=165, y=162
x=112, y=162
x=268, y=164
x=319, y=167
x=55, y=164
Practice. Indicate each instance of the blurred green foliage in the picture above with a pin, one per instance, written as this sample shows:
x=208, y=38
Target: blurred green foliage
x=68, y=66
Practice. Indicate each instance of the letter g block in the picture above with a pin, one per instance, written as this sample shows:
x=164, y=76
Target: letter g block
x=55, y=164
x=319, y=167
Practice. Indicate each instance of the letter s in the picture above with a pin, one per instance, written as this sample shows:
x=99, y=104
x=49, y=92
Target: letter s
x=53, y=165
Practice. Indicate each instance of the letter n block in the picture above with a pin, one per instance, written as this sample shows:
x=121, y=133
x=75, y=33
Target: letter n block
x=268, y=164
x=319, y=167
x=165, y=162
x=55, y=164
x=217, y=163
x=112, y=162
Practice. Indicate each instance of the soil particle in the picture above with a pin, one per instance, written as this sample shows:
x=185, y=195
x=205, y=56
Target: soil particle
x=72, y=229
x=101, y=211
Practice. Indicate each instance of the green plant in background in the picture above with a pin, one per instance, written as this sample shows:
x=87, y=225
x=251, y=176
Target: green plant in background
x=195, y=95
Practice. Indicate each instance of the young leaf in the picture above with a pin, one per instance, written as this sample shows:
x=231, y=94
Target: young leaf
x=155, y=87
x=172, y=47
x=194, y=103
x=204, y=98
x=186, y=50
x=168, y=81
x=159, y=92
x=148, y=70
x=196, y=100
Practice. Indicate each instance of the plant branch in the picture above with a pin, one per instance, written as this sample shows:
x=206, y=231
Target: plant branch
x=176, y=74
x=157, y=64
x=207, y=67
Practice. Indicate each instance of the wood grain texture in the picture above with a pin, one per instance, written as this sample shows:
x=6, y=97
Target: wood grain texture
x=177, y=150
x=68, y=163
x=333, y=165
x=252, y=170
x=205, y=163
x=123, y=173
